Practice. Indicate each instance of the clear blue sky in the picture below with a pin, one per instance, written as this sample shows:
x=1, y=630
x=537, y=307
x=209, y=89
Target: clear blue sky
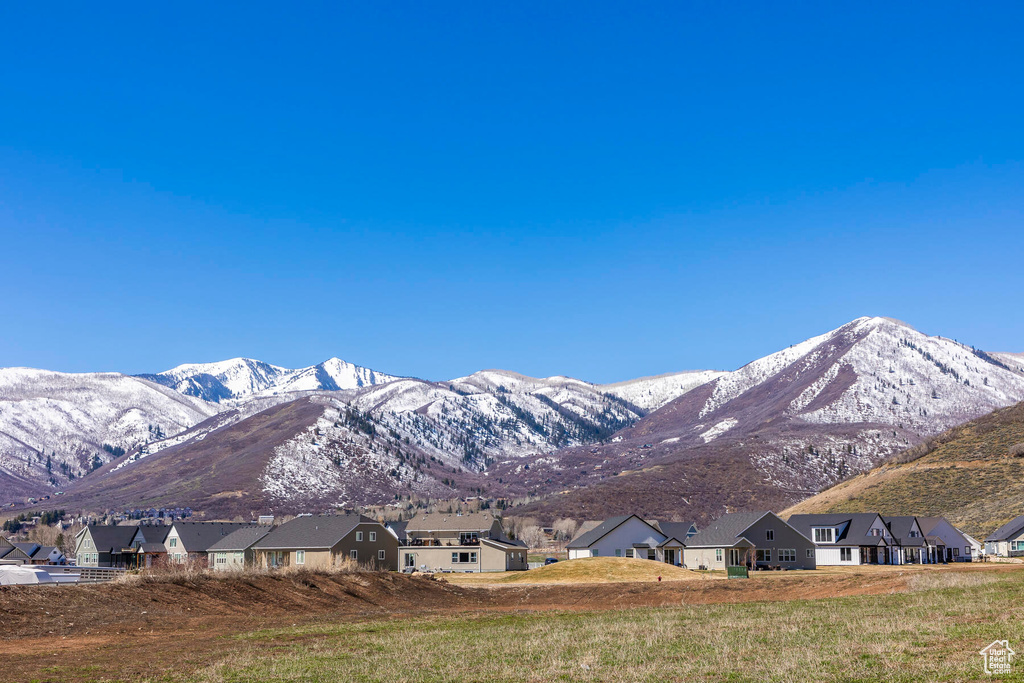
x=599, y=190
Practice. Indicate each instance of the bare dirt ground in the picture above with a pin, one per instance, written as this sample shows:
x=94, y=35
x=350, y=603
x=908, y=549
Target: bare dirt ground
x=129, y=632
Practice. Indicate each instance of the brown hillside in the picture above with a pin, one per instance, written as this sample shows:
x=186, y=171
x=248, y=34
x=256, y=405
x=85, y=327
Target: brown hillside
x=972, y=474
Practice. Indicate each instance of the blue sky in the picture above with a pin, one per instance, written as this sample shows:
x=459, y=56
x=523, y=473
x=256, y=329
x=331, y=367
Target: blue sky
x=598, y=190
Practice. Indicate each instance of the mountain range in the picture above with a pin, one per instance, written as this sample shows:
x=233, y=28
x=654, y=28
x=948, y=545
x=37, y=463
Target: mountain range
x=240, y=435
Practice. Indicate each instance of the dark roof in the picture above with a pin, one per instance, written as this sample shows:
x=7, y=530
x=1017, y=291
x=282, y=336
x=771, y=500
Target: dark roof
x=1008, y=530
x=197, y=537
x=587, y=539
x=900, y=528
x=725, y=531
x=153, y=548
x=12, y=551
x=29, y=549
x=155, y=533
x=111, y=538
x=503, y=542
x=399, y=529
x=321, y=532
x=677, y=530
x=855, y=527
x=242, y=539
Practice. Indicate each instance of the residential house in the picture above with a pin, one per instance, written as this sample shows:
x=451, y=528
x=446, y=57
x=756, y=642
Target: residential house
x=325, y=540
x=191, y=541
x=621, y=536
x=150, y=545
x=848, y=538
x=1007, y=540
x=41, y=554
x=908, y=540
x=751, y=539
x=455, y=542
x=101, y=545
x=12, y=554
x=676, y=535
x=945, y=542
x=235, y=551
x=398, y=529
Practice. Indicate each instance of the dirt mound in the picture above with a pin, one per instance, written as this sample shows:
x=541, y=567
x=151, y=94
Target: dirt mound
x=601, y=570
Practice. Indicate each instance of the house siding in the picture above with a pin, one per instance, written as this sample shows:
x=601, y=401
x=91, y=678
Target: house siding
x=621, y=539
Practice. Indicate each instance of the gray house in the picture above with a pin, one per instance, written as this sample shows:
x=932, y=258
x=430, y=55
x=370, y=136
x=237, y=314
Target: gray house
x=235, y=551
x=191, y=541
x=1007, y=540
x=99, y=545
x=621, y=536
x=12, y=554
x=750, y=539
x=325, y=540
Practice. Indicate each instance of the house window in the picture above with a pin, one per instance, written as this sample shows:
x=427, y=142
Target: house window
x=846, y=554
x=354, y=554
x=1016, y=545
x=914, y=534
x=463, y=558
x=618, y=553
x=594, y=552
x=770, y=535
x=359, y=537
x=718, y=554
x=380, y=555
x=824, y=535
x=764, y=555
x=956, y=552
x=373, y=536
x=651, y=554
x=468, y=537
x=300, y=557
x=174, y=541
x=810, y=553
x=787, y=554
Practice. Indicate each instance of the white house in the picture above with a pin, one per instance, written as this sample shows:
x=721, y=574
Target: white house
x=946, y=543
x=624, y=536
x=848, y=539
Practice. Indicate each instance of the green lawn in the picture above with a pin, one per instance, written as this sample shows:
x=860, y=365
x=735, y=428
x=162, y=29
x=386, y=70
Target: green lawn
x=931, y=633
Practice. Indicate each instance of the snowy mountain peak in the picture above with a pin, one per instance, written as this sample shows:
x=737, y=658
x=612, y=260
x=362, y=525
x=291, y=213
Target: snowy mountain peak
x=241, y=378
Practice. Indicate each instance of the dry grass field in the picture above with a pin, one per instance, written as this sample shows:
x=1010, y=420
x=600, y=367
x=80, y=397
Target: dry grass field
x=841, y=624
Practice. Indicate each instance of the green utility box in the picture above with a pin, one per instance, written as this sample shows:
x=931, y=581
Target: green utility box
x=736, y=573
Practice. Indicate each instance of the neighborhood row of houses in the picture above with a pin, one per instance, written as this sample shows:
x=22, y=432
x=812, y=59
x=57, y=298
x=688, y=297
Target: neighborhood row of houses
x=764, y=540
x=429, y=542
x=13, y=552
x=476, y=542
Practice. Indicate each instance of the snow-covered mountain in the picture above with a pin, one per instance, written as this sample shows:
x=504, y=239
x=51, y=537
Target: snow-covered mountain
x=53, y=425
x=809, y=415
x=241, y=378
x=779, y=428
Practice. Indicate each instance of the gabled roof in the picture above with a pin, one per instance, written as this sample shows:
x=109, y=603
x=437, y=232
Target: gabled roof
x=12, y=553
x=854, y=532
x=308, y=533
x=591, y=537
x=678, y=530
x=726, y=531
x=241, y=539
x=197, y=537
x=1007, y=531
x=900, y=527
x=399, y=529
x=503, y=543
x=450, y=521
x=588, y=525
x=111, y=538
x=29, y=549
x=929, y=524
x=154, y=533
